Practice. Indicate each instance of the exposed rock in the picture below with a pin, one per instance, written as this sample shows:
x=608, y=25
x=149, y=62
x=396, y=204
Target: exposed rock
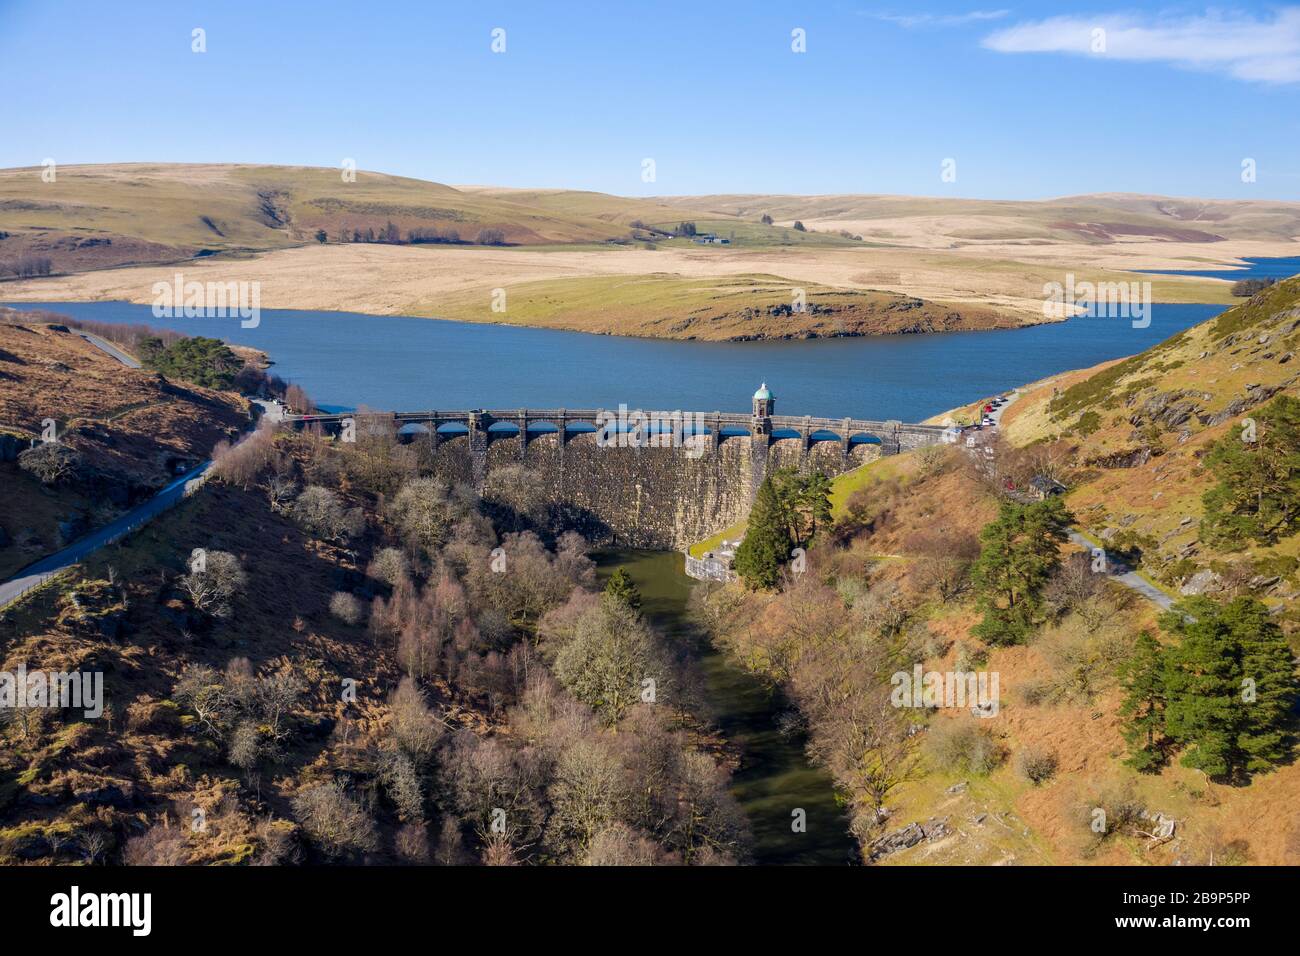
x=119, y=797
x=909, y=836
x=1201, y=582
x=1128, y=458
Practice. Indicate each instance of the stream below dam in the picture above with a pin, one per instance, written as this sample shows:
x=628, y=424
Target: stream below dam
x=775, y=776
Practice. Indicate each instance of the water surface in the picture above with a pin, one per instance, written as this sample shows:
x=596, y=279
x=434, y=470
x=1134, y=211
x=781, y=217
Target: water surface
x=345, y=360
x=1255, y=268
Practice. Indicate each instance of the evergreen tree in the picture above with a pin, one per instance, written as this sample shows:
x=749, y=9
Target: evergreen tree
x=805, y=501
x=767, y=543
x=621, y=588
x=1269, y=694
x=1143, y=679
x=1018, y=554
x=1258, y=494
x=1231, y=684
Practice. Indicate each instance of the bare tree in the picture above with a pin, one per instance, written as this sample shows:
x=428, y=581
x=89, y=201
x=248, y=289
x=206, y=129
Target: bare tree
x=213, y=586
x=335, y=821
x=50, y=463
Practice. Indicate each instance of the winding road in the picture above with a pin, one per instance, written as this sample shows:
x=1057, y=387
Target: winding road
x=1115, y=569
x=37, y=574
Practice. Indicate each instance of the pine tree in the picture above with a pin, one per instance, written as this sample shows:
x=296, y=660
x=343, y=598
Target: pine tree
x=621, y=588
x=1203, y=679
x=1142, y=677
x=1269, y=694
x=805, y=501
x=1018, y=554
x=767, y=543
x=1258, y=494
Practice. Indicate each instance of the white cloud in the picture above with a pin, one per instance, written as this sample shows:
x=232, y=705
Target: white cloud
x=909, y=20
x=1260, y=49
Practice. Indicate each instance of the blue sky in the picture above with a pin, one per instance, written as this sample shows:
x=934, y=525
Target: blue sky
x=710, y=90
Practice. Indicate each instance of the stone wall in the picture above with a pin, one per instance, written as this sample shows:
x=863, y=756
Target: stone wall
x=648, y=497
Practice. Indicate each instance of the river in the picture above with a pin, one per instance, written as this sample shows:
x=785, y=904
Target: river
x=775, y=776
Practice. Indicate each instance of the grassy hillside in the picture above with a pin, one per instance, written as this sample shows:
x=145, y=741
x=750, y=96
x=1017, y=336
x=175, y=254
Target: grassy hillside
x=731, y=308
x=261, y=224
x=130, y=429
x=1096, y=219
x=1136, y=432
x=93, y=216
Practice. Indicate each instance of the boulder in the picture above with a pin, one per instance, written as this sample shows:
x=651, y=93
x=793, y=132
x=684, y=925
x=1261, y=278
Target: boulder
x=1201, y=582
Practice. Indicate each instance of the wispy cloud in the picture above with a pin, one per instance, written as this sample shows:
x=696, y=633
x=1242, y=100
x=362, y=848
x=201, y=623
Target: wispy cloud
x=911, y=20
x=1263, y=49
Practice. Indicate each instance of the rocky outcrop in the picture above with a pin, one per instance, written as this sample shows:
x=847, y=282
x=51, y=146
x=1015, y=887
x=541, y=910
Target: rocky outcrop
x=909, y=836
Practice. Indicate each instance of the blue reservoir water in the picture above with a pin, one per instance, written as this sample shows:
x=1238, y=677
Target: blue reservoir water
x=345, y=360
x=1272, y=268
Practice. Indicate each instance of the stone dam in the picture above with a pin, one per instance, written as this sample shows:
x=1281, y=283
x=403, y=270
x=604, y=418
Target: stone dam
x=645, y=479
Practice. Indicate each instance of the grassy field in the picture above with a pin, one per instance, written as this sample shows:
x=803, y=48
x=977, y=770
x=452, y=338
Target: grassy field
x=737, y=307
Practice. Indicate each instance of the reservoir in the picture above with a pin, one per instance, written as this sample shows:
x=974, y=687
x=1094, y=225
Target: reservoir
x=346, y=360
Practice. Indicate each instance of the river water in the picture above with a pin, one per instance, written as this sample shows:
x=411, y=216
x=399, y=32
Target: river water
x=775, y=777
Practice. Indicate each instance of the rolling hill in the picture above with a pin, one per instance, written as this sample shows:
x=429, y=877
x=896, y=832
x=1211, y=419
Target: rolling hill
x=600, y=263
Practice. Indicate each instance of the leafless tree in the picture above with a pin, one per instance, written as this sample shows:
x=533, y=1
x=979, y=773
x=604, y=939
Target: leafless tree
x=213, y=586
x=50, y=463
x=334, y=820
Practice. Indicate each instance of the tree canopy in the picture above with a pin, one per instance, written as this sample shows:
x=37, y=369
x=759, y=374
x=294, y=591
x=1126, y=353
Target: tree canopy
x=1257, y=497
x=1019, y=552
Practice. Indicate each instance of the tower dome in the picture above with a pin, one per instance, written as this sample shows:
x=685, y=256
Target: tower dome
x=763, y=393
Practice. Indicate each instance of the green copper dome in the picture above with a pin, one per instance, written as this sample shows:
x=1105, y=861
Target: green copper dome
x=763, y=394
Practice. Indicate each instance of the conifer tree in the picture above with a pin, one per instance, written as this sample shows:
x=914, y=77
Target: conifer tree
x=767, y=543
x=1231, y=684
x=1203, y=680
x=621, y=588
x=1258, y=467
x=1268, y=672
x=1018, y=554
x=1143, y=679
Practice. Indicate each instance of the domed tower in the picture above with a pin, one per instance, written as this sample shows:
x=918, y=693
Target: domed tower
x=764, y=405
